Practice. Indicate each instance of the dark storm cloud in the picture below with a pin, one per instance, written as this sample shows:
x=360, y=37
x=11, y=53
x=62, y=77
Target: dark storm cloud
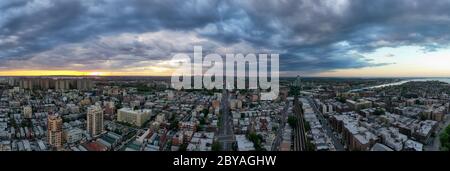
x=323, y=35
x=41, y=25
x=310, y=35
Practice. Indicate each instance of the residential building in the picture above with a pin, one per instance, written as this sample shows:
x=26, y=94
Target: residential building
x=94, y=120
x=55, y=137
x=134, y=117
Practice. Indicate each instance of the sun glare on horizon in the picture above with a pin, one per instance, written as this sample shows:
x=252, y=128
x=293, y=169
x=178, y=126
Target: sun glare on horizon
x=96, y=74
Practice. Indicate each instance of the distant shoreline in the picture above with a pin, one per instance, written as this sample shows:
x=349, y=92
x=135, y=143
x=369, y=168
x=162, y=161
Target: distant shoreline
x=443, y=79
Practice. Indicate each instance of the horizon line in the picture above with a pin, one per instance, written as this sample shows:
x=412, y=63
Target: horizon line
x=245, y=76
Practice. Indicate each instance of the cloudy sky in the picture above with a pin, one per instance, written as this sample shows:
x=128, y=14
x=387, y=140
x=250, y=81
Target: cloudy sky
x=139, y=37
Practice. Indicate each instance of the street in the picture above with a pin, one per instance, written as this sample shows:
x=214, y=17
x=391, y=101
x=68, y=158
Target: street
x=279, y=138
x=226, y=133
x=435, y=145
x=337, y=144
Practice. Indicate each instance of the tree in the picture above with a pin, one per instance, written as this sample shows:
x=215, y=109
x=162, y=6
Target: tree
x=173, y=125
x=143, y=88
x=202, y=121
x=341, y=99
x=292, y=121
x=423, y=117
x=275, y=128
x=205, y=112
x=310, y=146
x=183, y=147
x=294, y=91
x=444, y=137
x=12, y=121
x=118, y=105
x=199, y=127
x=252, y=137
x=256, y=139
x=307, y=127
x=26, y=123
x=417, y=102
x=379, y=112
x=216, y=146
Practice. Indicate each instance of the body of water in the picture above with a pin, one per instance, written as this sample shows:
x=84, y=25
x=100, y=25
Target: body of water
x=446, y=80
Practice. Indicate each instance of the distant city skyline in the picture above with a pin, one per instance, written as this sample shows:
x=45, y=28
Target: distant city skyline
x=325, y=38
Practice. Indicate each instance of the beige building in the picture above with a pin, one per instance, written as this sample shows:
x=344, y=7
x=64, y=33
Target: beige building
x=135, y=117
x=94, y=120
x=359, y=104
x=27, y=112
x=26, y=84
x=62, y=84
x=55, y=133
x=84, y=84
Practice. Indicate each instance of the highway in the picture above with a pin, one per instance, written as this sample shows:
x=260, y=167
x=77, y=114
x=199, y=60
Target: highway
x=337, y=144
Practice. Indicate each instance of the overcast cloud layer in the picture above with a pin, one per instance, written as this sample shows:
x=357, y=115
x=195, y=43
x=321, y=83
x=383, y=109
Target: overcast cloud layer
x=310, y=35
